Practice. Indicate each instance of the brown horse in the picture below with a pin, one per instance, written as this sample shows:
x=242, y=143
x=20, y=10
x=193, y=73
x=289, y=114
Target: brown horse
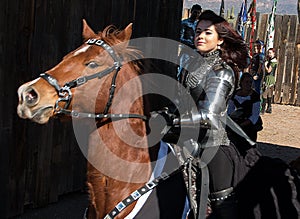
x=89, y=83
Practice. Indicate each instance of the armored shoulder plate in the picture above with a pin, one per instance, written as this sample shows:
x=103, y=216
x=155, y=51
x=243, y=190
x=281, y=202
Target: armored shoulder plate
x=224, y=71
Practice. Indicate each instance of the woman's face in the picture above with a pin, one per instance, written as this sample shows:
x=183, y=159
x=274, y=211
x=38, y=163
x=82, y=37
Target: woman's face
x=206, y=38
x=256, y=49
x=271, y=54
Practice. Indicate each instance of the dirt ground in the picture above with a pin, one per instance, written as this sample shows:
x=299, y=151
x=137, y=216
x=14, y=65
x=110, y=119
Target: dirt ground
x=280, y=136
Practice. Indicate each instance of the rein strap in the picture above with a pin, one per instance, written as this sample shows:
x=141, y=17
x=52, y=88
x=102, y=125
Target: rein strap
x=76, y=114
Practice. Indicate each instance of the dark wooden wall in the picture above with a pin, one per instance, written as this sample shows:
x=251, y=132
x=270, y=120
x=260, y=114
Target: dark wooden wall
x=38, y=163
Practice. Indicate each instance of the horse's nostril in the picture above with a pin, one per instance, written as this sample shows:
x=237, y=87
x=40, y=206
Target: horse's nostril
x=30, y=97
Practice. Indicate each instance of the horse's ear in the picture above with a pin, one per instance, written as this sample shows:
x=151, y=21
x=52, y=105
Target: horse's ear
x=87, y=32
x=125, y=35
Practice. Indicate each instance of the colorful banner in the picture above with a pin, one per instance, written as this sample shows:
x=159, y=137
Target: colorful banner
x=252, y=17
x=242, y=19
x=271, y=27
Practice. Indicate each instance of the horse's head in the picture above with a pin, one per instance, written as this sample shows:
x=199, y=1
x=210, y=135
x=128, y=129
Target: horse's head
x=99, y=57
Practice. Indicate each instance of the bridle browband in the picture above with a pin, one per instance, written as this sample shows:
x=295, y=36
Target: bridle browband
x=65, y=94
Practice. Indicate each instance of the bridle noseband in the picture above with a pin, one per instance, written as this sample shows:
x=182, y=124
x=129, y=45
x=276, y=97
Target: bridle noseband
x=65, y=94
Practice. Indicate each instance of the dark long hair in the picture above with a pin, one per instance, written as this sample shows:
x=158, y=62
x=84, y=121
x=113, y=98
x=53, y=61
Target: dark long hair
x=234, y=50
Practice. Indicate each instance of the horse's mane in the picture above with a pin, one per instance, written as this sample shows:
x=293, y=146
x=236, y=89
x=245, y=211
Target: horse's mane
x=127, y=53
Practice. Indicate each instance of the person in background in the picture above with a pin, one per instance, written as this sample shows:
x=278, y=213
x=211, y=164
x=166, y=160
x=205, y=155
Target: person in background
x=244, y=108
x=269, y=81
x=257, y=67
x=188, y=26
x=187, y=33
x=260, y=42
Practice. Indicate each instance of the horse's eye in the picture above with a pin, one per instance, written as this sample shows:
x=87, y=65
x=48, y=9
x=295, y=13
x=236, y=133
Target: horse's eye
x=92, y=65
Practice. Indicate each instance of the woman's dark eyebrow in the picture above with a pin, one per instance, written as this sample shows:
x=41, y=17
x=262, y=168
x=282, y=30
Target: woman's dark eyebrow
x=202, y=29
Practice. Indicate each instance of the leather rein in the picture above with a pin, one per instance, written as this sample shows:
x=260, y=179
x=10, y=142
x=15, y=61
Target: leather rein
x=65, y=94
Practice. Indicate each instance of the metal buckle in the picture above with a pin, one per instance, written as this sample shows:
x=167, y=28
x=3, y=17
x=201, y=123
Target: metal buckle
x=91, y=41
x=99, y=42
x=117, y=65
x=164, y=175
x=120, y=206
x=74, y=114
x=151, y=185
x=81, y=80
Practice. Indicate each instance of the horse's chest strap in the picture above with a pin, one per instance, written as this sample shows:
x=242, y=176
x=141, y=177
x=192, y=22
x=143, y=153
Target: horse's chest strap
x=134, y=196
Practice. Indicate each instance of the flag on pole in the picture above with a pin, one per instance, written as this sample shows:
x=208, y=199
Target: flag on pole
x=252, y=16
x=271, y=27
x=242, y=19
x=222, y=9
x=232, y=12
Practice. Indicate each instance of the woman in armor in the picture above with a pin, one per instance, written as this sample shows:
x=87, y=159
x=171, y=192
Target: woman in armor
x=211, y=79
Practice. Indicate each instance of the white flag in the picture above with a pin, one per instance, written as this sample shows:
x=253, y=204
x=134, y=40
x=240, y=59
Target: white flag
x=271, y=27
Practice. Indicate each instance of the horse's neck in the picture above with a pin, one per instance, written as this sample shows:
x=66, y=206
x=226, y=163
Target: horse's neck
x=123, y=141
x=118, y=151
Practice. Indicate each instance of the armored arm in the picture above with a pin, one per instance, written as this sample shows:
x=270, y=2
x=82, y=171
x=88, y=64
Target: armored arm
x=219, y=86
